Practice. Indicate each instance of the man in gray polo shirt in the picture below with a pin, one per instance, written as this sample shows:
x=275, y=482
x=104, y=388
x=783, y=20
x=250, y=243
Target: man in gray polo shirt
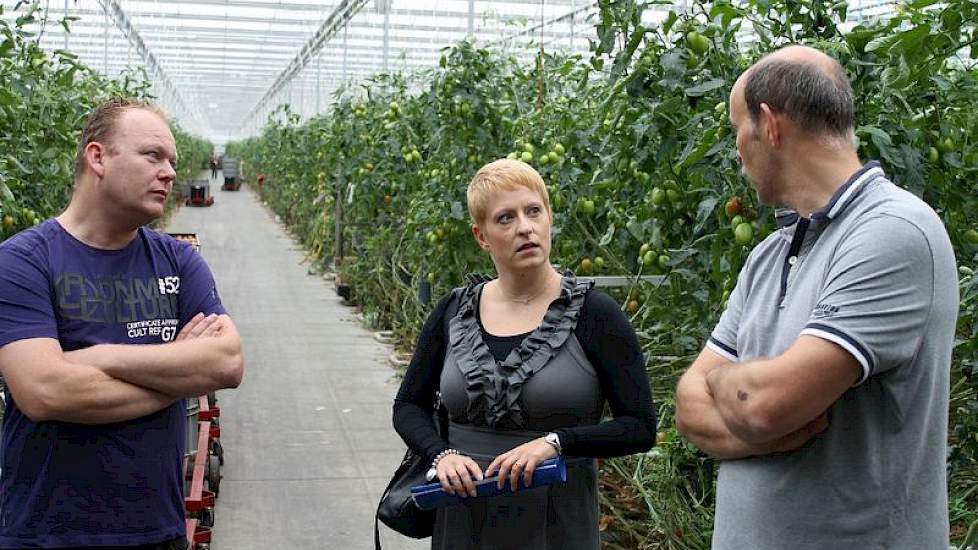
x=824, y=387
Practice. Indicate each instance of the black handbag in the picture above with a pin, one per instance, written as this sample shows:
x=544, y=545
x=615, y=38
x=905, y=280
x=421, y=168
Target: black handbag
x=397, y=509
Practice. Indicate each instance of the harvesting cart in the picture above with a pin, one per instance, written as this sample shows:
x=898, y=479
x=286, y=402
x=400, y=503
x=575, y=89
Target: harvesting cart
x=204, y=458
x=199, y=193
x=229, y=167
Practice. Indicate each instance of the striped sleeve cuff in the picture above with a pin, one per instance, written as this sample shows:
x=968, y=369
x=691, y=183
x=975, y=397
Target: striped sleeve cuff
x=721, y=349
x=846, y=342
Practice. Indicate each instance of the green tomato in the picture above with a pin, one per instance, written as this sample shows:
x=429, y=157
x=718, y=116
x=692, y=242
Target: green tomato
x=736, y=220
x=528, y=147
x=598, y=263
x=526, y=156
x=673, y=196
x=587, y=206
x=649, y=259
x=971, y=236
x=664, y=261
x=744, y=234
x=645, y=248
x=933, y=155
x=697, y=43
x=554, y=157
x=559, y=149
x=658, y=196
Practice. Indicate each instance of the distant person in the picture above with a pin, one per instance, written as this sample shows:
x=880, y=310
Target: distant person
x=105, y=327
x=825, y=385
x=213, y=167
x=525, y=363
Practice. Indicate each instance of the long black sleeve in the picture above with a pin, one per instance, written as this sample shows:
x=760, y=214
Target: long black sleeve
x=610, y=343
x=415, y=401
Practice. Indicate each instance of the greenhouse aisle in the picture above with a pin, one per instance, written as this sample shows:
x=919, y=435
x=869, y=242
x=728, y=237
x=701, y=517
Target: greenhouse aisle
x=308, y=438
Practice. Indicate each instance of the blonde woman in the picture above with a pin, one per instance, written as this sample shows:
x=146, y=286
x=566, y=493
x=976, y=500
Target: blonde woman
x=525, y=364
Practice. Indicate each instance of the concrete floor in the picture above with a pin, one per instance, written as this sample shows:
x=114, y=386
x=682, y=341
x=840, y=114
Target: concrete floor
x=308, y=438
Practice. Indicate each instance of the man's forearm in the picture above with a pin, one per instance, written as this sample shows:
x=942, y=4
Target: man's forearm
x=744, y=401
x=186, y=368
x=699, y=420
x=86, y=395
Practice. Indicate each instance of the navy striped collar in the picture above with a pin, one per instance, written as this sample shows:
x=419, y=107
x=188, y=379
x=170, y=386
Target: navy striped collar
x=840, y=199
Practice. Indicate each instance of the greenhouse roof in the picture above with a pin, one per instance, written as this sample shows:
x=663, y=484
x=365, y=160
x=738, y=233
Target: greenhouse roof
x=220, y=66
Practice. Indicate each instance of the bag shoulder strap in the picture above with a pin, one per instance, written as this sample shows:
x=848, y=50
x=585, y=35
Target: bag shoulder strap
x=441, y=413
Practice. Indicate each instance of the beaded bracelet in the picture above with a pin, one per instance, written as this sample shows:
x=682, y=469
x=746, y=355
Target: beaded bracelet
x=441, y=455
x=433, y=471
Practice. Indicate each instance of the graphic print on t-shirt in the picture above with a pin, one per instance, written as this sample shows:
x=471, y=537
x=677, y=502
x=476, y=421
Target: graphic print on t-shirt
x=148, y=307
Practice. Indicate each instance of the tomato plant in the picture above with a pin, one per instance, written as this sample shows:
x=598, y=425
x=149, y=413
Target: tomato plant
x=635, y=148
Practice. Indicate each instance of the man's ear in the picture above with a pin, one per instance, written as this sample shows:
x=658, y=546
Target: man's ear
x=771, y=125
x=94, y=156
x=479, y=237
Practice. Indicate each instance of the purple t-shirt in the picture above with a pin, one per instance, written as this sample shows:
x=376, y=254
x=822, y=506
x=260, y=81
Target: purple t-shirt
x=120, y=484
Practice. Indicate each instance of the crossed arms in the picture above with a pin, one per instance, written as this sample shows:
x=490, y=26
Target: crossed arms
x=113, y=383
x=735, y=410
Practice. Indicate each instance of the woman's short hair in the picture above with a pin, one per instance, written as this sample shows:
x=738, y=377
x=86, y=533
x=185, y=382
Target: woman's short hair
x=502, y=175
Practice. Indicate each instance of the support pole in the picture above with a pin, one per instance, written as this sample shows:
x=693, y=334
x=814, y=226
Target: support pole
x=340, y=195
x=345, y=28
x=105, y=41
x=471, y=19
x=387, y=37
x=573, y=17
x=66, y=32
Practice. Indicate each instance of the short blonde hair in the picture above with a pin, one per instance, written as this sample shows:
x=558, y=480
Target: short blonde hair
x=503, y=174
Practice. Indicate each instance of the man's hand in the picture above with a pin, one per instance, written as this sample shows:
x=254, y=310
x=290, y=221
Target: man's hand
x=201, y=326
x=797, y=439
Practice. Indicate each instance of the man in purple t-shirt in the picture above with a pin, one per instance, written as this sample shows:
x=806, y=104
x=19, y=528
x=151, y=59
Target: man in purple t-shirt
x=105, y=327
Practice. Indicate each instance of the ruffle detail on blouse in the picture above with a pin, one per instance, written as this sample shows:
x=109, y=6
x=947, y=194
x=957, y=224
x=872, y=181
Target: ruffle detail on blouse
x=493, y=388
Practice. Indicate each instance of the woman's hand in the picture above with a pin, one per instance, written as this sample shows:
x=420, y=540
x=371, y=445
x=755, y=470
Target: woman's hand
x=457, y=474
x=521, y=460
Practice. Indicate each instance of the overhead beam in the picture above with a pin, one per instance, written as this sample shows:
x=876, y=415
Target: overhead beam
x=336, y=20
x=117, y=14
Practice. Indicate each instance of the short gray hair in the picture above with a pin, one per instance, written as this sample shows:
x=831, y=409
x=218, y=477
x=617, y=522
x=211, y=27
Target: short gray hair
x=820, y=102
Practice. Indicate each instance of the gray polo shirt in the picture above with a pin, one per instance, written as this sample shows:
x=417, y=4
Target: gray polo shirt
x=873, y=272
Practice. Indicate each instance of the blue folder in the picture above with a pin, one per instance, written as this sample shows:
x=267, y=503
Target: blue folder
x=431, y=496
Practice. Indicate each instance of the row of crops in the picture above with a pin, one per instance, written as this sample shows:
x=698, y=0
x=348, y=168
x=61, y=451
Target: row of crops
x=45, y=98
x=635, y=146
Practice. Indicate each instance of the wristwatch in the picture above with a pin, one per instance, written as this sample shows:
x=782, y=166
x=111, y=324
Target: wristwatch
x=554, y=441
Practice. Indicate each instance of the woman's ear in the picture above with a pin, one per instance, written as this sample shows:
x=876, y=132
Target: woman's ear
x=479, y=237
